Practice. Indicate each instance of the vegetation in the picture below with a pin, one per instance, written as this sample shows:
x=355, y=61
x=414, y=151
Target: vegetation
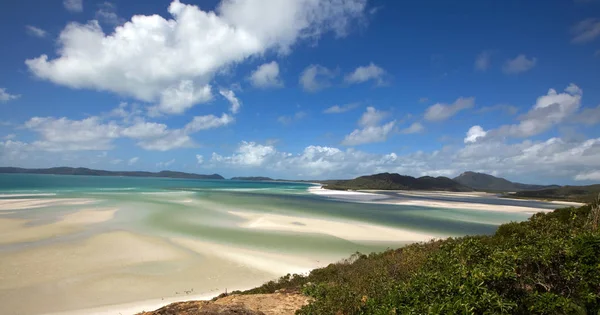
x=387, y=181
x=569, y=193
x=549, y=264
x=486, y=182
x=91, y=172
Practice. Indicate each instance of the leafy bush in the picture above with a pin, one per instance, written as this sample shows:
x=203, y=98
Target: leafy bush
x=549, y=264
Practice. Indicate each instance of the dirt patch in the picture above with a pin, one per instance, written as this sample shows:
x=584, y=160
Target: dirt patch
x=254, y=304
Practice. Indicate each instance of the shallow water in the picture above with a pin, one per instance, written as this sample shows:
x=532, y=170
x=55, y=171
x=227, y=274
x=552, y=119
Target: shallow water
x=200, y=210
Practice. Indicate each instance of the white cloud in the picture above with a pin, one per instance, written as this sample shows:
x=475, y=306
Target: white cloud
x=441, y=111
x=133, y=160
x=199, y=158
x=73, y=5
x=369, y=134
x=548, y=111
x=172, y=62
x=179, y=98
x=286, y=120
x=423, y=100
x=371, y=130
x=371, y=117
x=63, y=134
x=230, y=96
x=35, y=31
x=116, y=161
x=519, y=64
x=315, y=78
x=474, y=133
x=208, y=122
x=553, y=158
x=588, y=116
x=107, y=13
x=366, y=73
x=266, y=76
x=483, y=61
x=588, y=176
x=415, y=127
x=165, y=164
x=9, y=136
x=5, y=96
x=586, y=31
x=249, y=154
x=337, y=109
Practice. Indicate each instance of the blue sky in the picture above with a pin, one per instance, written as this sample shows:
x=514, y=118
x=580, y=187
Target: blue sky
x=304, y=89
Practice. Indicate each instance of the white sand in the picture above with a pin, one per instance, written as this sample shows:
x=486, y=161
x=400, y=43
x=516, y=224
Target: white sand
x=16, y=231
x=348, y=230
x=372, y=197
x=273, y=263
x=28, y=203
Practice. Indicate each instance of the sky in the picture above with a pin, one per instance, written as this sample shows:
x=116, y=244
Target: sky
x=304, y=89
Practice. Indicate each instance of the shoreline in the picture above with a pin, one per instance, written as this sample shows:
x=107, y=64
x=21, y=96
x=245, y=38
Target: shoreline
x=375, y=197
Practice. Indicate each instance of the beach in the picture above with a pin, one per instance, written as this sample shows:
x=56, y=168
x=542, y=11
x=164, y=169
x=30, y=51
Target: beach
x=129, y=245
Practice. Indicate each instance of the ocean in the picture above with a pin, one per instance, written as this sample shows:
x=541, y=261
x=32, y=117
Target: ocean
x=241, y=233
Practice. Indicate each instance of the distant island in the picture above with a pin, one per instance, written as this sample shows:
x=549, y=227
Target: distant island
x=92, y=172
x=392, y=181
x=253, y=178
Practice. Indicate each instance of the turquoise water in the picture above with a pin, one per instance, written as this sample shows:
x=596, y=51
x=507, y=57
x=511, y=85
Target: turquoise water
x=201, y=209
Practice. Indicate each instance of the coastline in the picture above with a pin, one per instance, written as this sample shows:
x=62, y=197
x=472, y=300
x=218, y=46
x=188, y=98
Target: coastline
x=376, y=197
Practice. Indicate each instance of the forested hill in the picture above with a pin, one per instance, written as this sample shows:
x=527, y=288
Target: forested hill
x=92, y=172
x=481, y=181
x=392, y=181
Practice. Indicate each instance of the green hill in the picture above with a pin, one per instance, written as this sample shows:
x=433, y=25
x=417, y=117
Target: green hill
x=486, y=182
x=390, y=181
x=549, y=264
x=253, y=178
x=92, y=172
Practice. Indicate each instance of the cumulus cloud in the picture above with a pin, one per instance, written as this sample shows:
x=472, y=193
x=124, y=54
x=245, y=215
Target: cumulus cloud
x=63, y=134
x=35, y=31
x=518, y=65
x=337, y=109
x=172, y=61
x=315, y=78
x=483, y=61
x=234, y=101
x=73, y=5
x=549, y=158
x=415, y=127
x=371, y=131
x=107, y=14
x=199, y=158
x=366, y=73
x=441, y=111
x=266, y=76
x=288, y=119
x=133, y=160
x=474, y=133
x=586, y=31
x=588, y=176
x=5, y=96
x=548, y=111
x=588, y=116
x=371, y=117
